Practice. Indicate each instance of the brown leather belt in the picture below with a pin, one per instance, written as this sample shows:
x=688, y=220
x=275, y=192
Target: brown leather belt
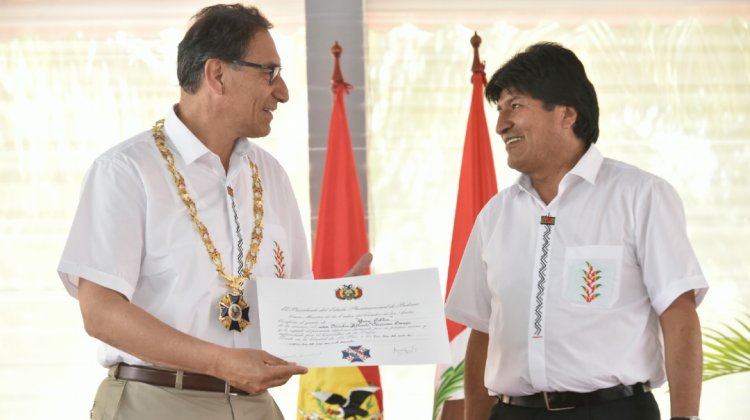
x=166, y=378
x=554, y=401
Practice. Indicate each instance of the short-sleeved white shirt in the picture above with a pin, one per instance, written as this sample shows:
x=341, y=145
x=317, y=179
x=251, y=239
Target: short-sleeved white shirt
x=132, y=233
x=574, y=306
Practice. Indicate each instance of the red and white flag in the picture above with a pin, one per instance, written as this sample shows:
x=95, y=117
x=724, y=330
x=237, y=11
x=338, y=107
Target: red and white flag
x=476, y=185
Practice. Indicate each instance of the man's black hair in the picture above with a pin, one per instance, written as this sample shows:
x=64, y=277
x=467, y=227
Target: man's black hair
x=221, y=31
x=551, y=73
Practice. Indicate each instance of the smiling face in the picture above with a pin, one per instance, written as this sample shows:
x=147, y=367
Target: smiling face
x=250, y=99
x=533, y=135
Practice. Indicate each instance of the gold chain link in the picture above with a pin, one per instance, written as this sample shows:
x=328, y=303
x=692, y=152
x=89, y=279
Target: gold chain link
x=257, y=236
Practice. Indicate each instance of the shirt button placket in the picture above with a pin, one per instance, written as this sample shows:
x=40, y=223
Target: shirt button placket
x=237, y=241
x=538, y=304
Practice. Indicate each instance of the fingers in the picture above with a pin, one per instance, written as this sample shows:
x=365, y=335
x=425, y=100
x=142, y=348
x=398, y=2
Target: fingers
x=360, y=266
x=288, y=370
x=276, y=376
x=281, y=366
x=272, y=360
x=278, y=382
x=270, y=383
x=268, y=376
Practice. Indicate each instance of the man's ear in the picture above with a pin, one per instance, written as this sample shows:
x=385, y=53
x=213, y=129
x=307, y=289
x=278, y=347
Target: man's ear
x=569, y=117
x=214, y=70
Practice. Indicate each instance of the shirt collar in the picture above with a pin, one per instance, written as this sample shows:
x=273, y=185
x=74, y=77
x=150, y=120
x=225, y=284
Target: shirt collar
x=185, y=142
x=522, y=183
x=242, y=147
x=188, y=146
x=587, y=168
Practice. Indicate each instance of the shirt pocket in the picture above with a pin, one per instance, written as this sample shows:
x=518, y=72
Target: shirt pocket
x=591, y=275
x=274, y=258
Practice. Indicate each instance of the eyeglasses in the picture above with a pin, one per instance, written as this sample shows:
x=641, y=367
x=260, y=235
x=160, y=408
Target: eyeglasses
x=275, y=70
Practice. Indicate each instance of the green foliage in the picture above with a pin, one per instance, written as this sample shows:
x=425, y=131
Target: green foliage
x=452, y=381
x=727, y=353
x=368, y=402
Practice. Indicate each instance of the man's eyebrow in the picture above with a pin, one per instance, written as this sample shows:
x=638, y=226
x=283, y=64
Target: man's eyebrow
x=512, y=98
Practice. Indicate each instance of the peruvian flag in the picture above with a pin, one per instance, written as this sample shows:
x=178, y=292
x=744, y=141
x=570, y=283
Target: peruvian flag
x=476, y=185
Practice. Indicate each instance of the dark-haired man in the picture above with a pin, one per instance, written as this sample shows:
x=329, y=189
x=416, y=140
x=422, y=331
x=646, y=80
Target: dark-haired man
x=574, y=274
x=170, y=225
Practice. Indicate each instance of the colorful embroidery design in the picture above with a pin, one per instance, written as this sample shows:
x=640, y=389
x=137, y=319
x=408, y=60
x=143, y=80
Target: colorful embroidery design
x=542, y=275
x=279, y=255
x=591, y=277
x=348, y=292
x=356, y=354
x=240, y=263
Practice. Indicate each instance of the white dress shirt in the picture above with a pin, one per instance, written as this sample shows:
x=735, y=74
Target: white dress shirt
x=525, y=283
x=133, y=234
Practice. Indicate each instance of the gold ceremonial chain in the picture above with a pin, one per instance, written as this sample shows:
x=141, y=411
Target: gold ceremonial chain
x=233, y=310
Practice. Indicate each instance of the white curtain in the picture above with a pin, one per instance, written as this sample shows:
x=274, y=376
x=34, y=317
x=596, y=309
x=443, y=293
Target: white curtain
x=674, y=101
x=76, y=79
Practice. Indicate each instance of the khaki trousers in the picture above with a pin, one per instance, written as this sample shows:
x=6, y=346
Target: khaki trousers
x=129, y=400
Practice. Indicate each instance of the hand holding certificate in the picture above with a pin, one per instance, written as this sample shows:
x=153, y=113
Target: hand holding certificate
x=383, y=319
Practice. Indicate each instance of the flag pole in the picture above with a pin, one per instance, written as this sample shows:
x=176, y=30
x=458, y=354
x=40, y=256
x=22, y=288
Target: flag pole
x=337, y=78
x=477, y=66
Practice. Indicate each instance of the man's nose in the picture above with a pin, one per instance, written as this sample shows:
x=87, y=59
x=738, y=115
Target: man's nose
x=280, y=91
x=503, y=123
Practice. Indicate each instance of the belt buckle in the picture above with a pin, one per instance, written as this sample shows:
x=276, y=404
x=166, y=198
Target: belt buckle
x=227, y=388
x=548, y=402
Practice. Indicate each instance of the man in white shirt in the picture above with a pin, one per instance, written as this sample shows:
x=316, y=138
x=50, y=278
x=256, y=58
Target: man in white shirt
x=574, y=275
x=170, y=225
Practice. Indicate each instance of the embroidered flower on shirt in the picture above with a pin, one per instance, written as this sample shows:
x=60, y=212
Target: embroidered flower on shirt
x=279, y=255
x=591, y=277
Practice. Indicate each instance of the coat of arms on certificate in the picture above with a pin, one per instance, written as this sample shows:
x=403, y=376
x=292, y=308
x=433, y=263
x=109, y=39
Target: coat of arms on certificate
x=348, y=292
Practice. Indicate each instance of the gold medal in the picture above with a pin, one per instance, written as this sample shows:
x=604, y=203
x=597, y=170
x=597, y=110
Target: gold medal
x=233, y=310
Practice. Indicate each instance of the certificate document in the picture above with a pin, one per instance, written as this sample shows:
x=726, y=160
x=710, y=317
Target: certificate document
x=382, y=319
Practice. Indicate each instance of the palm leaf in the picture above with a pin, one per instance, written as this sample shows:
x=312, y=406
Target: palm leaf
x=453, y=380
x=726, y=353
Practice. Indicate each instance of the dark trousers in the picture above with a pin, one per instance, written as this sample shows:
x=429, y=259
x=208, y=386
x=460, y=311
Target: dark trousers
x=638, y=407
